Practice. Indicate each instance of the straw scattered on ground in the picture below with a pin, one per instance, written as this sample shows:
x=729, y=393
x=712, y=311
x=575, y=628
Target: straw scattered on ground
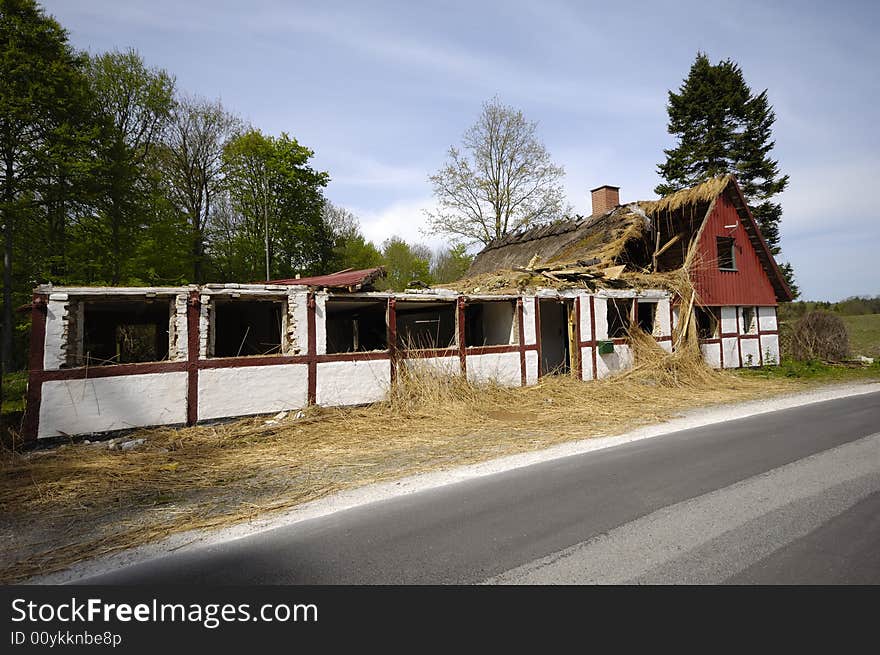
x=81, y=501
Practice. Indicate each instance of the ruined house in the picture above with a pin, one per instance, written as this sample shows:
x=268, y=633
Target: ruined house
x=556, y=299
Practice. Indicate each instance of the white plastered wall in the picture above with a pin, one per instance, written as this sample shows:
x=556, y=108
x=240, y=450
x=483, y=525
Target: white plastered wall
x=352, y=383
x=206, y=329
x=246, y=390
x=438, y=365
x=770, y=349
x=587, y=363
x=750, y=354
x=55, y=346
x=586, y=328
x=112, y=403
x=531, y=367
x=611, y=363
x=728, y=322
x=712, y=354
x=501, y=367
x=320, y=323
x=767, y=319
x=731, y=352
x=600, y=307
x=529, y=320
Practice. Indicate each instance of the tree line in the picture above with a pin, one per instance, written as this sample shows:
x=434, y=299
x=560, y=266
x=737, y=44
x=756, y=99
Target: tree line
x=852, y=306
x=110, y=174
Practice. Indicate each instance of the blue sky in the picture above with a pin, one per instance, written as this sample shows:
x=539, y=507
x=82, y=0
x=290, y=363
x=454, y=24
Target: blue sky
x=380, y=90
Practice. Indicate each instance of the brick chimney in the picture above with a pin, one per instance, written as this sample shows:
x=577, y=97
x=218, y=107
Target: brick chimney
x=605, y=197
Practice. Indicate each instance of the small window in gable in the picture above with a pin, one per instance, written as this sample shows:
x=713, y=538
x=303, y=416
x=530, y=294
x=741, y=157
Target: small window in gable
x=726, y=253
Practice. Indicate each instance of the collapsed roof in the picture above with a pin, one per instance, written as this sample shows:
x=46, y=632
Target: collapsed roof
x=626, y=244
x=348, y=279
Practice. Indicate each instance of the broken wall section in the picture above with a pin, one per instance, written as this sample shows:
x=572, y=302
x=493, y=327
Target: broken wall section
x=121, y=326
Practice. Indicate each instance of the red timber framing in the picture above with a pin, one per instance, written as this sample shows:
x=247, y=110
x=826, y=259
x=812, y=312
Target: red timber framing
x=593, y=334
x=755, y=278
x=193, y=315
x=39, y=309
x=577, y=330
x=462, y=346
x=521, y=337
x=719, y=340
x=193, y=363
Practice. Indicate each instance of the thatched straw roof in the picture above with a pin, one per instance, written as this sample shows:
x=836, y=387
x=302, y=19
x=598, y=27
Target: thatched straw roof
x=600, y=240
x=626, y=235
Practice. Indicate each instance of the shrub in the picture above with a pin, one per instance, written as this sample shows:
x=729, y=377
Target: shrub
x=819, y=335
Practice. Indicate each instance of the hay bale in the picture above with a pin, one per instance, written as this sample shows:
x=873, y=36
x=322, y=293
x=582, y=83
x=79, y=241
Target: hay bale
x=819, y=336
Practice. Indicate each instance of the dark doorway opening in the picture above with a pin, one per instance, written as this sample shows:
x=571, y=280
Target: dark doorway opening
x=707, y=322
x=646, y=315
x=557, y=325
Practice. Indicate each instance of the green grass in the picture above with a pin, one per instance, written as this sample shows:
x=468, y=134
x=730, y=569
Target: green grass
x=14, y=390
x=864, y=334
x=814, y=371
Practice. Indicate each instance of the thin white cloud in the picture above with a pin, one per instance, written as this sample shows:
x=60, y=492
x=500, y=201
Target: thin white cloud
x=836, y=196
x=403, y=218
x=356, y=170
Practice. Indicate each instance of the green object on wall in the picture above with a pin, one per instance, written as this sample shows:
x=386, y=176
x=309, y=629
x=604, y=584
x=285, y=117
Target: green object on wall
x=605, y=347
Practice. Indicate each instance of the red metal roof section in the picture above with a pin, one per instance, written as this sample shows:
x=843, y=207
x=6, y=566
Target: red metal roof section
x=352, y=280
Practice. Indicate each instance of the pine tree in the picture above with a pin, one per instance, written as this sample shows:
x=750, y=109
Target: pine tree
x=722, y=127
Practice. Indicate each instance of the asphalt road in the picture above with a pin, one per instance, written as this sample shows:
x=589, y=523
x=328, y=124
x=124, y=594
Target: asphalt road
x=787, y=497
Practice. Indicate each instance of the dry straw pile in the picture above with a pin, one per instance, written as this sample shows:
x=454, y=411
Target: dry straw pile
x=84, y=500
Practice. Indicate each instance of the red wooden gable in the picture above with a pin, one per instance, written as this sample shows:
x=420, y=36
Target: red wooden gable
x=750, y=283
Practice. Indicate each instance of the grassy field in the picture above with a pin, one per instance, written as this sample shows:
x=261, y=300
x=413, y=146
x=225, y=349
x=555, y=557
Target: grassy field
x=864, y=334
x=813, y=372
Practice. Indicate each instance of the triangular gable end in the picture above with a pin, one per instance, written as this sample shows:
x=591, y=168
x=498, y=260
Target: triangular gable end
x=757, y=280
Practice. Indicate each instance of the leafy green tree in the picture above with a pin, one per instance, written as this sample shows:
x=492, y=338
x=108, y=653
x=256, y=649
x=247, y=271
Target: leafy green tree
x=350, y=249
x=722, y=127
x=42, y=106
x=136, y=103
x=279, y=200
x=191, y=161
x=451, y=264
x=405, y=263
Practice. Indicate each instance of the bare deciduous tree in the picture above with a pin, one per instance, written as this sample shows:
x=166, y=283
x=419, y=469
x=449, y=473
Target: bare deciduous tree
x=503, y=180
x=193, y=164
